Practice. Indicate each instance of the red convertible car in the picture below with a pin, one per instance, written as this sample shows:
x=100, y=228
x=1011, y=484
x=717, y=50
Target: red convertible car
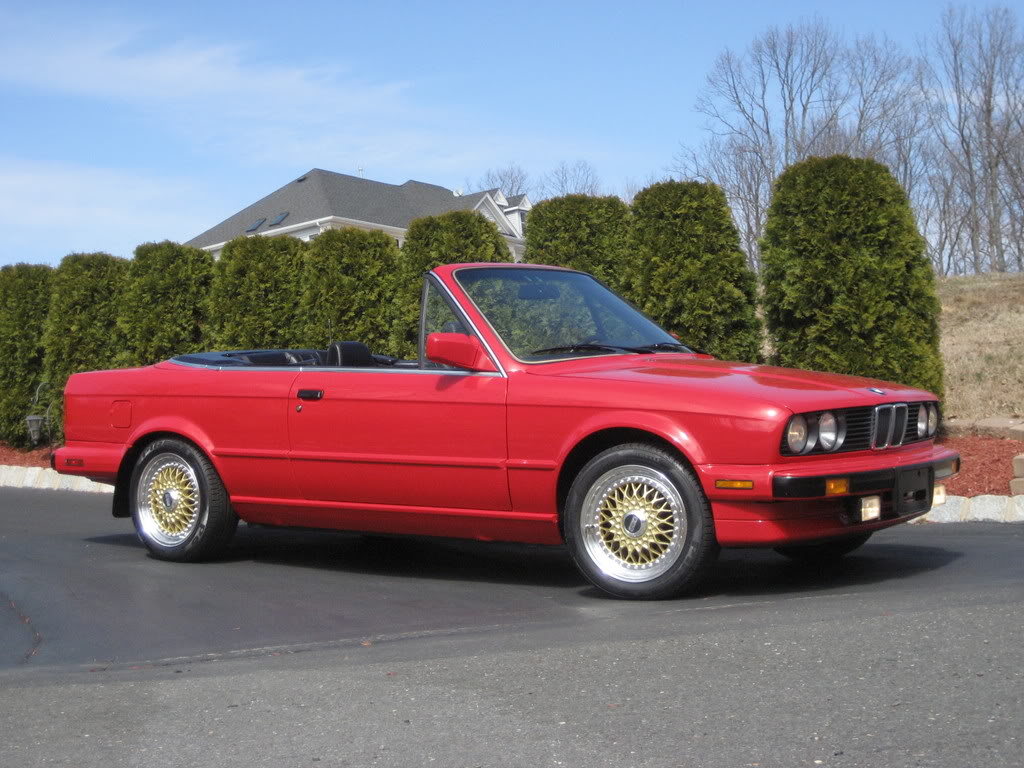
x=542, y=408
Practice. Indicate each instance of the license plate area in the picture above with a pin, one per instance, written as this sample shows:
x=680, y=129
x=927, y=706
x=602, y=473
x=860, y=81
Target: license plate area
x=913, y=492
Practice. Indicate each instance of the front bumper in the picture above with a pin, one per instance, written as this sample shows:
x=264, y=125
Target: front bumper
x=788, y=502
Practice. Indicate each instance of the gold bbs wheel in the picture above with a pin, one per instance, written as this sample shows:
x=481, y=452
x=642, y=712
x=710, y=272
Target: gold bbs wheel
x=168, y=499
x=633, y=523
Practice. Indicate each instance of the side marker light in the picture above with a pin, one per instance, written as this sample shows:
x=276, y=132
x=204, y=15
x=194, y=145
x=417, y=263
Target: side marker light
x=735, y=485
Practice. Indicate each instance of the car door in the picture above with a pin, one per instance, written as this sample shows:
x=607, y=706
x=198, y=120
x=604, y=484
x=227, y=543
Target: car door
x=424, y=436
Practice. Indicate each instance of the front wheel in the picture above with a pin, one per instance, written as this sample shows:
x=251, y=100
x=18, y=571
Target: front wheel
x=178, y=502
x=638, y=524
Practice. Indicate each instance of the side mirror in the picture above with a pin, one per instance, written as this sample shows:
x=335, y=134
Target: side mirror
x=460, y=350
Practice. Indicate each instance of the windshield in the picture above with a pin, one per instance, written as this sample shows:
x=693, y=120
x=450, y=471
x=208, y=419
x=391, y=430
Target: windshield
x=546, y=314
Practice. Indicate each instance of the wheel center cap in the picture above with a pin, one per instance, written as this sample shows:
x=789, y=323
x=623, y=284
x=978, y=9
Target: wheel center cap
x=634, y=523
x=170, y=499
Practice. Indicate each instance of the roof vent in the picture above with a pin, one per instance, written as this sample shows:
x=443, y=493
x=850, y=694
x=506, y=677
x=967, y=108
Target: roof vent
x=300, y=179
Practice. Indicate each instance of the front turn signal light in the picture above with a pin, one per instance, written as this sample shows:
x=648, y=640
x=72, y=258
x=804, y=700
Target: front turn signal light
x=836, y=486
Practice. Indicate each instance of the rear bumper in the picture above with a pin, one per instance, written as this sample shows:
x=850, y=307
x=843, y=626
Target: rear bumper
x=95, y=460
x=788, y=502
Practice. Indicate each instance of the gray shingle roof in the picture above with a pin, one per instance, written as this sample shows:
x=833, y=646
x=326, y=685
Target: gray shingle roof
x=321, y=193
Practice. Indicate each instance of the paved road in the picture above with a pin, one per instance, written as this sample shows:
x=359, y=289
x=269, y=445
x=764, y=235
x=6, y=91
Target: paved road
x=309, y=649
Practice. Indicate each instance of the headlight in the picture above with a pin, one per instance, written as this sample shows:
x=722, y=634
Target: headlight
x=828, y=431
x=796, y=434
x=922, y=420
x=933, y=419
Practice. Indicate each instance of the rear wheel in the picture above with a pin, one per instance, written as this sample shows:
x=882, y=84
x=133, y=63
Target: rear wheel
x=824, y=552
x=178, y=502
x=638, y=524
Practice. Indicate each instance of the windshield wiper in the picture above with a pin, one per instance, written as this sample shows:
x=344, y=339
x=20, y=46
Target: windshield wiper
x=588, y=347
x=664, y=346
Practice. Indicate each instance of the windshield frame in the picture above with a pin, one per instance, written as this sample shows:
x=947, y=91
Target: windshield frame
x=542, y=267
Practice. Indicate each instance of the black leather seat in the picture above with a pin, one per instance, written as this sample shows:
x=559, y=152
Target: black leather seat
x=349, y=354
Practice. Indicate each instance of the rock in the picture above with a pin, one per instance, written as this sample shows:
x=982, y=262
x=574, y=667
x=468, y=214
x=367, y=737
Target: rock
x=953, y=511
x=990, y=508
x=1017, y=486
x=999, y=426
x=1018, y=466
x=1016, y=510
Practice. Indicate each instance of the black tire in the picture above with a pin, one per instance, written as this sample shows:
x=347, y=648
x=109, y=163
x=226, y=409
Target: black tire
x=649, y=533
x=824, y=552
x=179, y=505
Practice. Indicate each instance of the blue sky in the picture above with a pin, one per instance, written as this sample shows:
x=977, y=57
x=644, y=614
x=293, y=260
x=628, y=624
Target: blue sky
x=130, y=122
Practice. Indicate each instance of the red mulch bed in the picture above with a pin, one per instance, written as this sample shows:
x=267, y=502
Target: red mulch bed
x=987, y=463
x=40, y=457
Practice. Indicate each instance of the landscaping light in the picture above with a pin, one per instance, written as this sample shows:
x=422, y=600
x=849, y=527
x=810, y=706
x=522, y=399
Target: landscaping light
x=35, y=427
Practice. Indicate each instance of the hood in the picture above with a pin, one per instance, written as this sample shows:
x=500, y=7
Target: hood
x=791, y=388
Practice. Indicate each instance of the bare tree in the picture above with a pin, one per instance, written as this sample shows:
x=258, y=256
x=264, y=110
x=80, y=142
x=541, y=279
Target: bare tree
x=511, y=179
x=949, y=123
x=578, y=178
x=631, y=187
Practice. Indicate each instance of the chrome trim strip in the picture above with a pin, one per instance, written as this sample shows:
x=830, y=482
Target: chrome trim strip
x=323, y=368
x=899, y=417
x=878, y=444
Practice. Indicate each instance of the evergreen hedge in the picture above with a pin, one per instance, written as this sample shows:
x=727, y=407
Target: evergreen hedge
x=24, y=302
x=848, y=287
x=80, y=333
x=454, y=237
x=690, y=275
x=348, y=285
x=165, y=300
x=255, y=292
x=590, y=234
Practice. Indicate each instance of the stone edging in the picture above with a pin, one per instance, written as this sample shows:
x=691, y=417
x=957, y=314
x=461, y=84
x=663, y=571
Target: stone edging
x=992, y=509
x=45, y=478
x=997, y=426
x=957, y=509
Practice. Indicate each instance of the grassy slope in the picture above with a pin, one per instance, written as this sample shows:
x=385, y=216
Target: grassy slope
x=983, y=345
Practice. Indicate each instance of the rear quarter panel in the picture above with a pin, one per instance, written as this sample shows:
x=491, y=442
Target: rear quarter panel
x=238, y=418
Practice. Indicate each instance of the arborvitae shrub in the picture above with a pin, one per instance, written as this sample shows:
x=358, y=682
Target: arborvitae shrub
x=165, y=300
x=254, y=296
x=348, y=285
x=24, y=302
x=691, y=276
x=455, y=237
x=590, y=234
x=848, y=287
x=81, y=333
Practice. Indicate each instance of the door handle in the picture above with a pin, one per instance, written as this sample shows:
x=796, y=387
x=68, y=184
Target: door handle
x=311, y=394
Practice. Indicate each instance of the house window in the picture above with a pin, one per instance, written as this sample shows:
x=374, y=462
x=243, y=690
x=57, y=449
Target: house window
x=278, y=219
x=256, y=225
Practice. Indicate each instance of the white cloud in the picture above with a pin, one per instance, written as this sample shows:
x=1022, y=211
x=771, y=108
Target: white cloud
x=49, y=210
x=230, y=105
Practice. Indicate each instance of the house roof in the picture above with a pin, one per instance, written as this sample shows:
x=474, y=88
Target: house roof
x=320, y=193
